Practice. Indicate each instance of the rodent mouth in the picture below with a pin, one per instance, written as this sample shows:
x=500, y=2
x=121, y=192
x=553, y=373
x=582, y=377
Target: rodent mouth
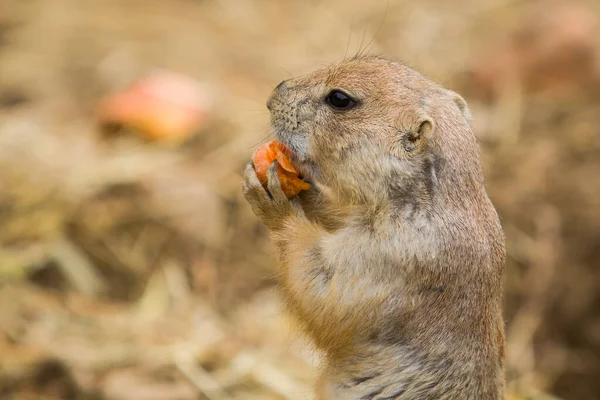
x=298, y=157
x=285, y=131
x=303, y=170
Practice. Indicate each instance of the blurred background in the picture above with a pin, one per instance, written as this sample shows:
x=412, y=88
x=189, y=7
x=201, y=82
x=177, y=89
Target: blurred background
x=132, y=268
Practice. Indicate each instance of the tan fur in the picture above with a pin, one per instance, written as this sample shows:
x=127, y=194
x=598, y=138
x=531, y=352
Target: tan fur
x=393, y=260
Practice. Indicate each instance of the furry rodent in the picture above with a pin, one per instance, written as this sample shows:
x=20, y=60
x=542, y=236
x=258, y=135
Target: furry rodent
x=393, y=260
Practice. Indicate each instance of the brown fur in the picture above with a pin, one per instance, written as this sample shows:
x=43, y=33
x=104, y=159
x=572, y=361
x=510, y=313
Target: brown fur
x=393, y=260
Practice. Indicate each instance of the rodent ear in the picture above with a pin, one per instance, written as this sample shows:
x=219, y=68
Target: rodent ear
x=412, y=137
x=461, y=104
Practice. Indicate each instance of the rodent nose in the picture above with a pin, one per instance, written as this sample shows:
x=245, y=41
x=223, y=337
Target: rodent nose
x=276, y=92
x=280, y=85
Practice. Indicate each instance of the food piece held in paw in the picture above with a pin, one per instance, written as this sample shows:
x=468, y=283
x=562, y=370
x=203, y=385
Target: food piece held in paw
x=263, y=157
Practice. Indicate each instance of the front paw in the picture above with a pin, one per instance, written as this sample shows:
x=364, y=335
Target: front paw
x=272, y=206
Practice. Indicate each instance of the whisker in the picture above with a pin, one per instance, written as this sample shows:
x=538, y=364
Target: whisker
x=349, y=38
x=361, y=52
x=261, y=141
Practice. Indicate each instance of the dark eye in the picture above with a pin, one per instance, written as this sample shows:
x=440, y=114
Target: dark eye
x=340, y=100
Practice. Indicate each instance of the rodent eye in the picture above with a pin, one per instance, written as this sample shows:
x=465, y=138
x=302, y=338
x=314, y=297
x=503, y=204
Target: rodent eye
x=340, y=100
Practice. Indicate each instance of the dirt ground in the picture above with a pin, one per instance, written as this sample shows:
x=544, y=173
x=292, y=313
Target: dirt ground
x=132, y=269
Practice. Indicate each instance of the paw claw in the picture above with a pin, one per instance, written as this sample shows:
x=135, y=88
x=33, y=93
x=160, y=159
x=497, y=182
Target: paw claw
x=272, y=206
x=251, y=186
x=274, y=184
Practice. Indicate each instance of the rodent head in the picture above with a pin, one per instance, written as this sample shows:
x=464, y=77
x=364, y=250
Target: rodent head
x=359, y=125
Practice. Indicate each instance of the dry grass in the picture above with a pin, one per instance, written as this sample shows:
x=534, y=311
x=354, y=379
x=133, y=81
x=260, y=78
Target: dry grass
x=134, y=270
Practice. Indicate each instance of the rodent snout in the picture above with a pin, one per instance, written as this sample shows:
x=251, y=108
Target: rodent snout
x=281, y=84
x=276, y=92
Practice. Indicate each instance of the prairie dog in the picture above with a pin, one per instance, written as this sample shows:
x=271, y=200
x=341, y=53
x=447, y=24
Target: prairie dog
x=393, y=261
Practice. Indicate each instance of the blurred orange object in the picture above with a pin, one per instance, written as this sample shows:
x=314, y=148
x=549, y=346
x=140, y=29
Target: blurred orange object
x=264, y=156
x=161, y=107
